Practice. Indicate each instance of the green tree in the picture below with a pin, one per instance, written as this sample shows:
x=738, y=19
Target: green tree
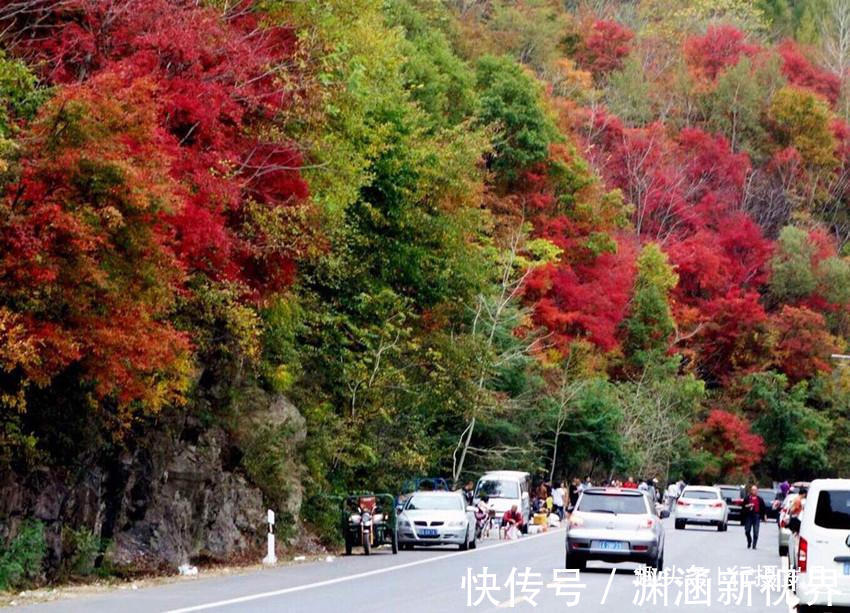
x=440, y=82
x=530, y=31
x=735, y=105
x=510, y=102
x=650, y=323
x=796, y=436
x=792, y=276
x=629, y=93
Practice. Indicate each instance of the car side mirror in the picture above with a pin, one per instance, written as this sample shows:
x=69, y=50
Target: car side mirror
x=665, y=513
x=399, y=508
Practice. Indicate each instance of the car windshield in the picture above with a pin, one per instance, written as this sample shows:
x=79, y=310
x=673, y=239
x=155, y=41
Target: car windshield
x=700, y=494
x=730, y=492
x=593, y=502
x=833, y=510
x=497, y=488
x=434, y=503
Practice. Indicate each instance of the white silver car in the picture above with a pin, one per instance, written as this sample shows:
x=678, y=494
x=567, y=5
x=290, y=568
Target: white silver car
x=700, y=504
x=436, y=518
x=614, y=525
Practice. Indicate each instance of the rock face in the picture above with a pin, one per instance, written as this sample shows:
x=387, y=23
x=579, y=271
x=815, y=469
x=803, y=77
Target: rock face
x=180, y=504
x=182, y=497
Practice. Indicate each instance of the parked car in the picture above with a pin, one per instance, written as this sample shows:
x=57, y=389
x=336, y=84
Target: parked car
x=506, y=488
x=701, y=504
x=614, y=525
x=734, y=497
x=772, y=498
x=423, y=484
x=824, y=543
x=436, y=518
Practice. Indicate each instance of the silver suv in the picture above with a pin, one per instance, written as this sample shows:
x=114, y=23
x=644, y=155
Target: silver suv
x=614, y=525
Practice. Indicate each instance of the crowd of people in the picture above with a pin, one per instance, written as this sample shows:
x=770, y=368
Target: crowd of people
x=557, y=499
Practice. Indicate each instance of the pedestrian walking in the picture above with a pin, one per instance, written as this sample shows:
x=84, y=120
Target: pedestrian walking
x=754, y=511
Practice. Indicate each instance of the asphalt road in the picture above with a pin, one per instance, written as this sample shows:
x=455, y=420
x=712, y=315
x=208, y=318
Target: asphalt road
x=433, y=580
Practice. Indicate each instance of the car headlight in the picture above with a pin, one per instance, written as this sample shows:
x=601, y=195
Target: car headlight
x=404, y=523
x=456, y=524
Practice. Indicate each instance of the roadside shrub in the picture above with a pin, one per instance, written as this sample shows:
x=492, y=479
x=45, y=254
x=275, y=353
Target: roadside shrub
x=20, y=561
x=82, y=548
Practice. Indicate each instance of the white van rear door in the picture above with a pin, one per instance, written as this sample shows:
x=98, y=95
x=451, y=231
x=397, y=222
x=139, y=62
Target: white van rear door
x=828, y=536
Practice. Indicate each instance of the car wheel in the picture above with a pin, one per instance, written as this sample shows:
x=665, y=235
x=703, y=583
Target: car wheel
x=465, y=544
x=474, y=544
x=680, y=524
x=395, y=541
x=783, y=551
x=721, y=527
x=659, y=562
x=575, y=563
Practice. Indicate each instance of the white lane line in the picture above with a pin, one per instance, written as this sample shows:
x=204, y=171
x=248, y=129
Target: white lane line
x=608, y=587
x=377, y=571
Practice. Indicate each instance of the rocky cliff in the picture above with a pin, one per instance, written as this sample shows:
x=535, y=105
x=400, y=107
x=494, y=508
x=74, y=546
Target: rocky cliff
x=185, y=495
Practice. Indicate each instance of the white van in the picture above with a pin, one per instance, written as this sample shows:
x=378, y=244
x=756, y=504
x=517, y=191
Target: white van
x=822, y=551
x=505, y=489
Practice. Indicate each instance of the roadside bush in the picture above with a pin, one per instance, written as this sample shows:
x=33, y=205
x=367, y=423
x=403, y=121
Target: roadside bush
x=82, y=548
x=20, y=561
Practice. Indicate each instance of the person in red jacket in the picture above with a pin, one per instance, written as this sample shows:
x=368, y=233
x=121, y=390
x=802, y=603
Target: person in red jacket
x=630, y=484
x=754, y=511
x=512, y=520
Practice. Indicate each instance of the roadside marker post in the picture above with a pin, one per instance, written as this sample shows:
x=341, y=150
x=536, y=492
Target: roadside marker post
x=270, y=558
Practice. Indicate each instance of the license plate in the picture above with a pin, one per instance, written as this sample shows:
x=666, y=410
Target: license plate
x=609, y=545
x=847, y=568
x=427, y=532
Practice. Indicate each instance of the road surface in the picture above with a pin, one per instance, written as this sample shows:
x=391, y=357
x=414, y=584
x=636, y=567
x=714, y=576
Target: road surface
x=433, y=580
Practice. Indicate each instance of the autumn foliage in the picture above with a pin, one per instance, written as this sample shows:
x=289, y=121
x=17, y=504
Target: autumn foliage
x=155, y=164
x=719, y=48
x=206, y=203
x=604, y=47
x=730, y=443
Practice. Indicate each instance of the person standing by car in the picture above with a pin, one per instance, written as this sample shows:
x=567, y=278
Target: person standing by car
x=558, y=495
x=482, y=516
x=575, y=490
x=468, y=491
x=797, y=506
x=754, y=511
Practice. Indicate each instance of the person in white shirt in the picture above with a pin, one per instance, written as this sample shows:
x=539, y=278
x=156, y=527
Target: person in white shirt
x=558, y=495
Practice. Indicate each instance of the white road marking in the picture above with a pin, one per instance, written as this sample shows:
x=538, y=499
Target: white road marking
x=377, y=571
x=608, y=587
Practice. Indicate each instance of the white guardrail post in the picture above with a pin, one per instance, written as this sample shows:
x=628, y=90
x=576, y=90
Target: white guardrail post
x=270, y=558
